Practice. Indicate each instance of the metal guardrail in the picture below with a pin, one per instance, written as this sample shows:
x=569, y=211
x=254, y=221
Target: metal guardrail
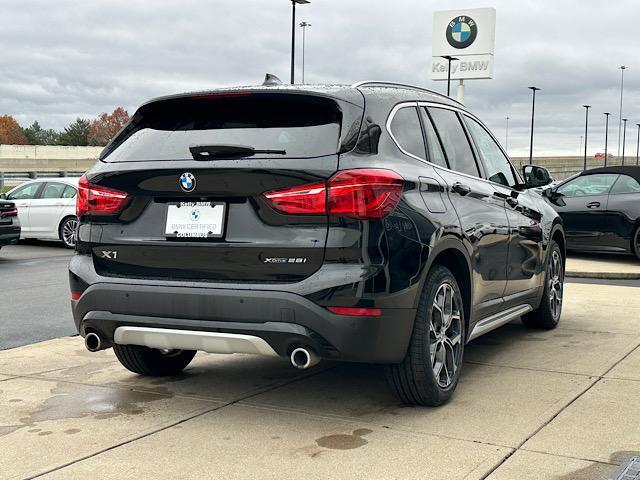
x=16, y=177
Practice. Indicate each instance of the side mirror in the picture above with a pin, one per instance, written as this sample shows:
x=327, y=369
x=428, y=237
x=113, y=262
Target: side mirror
x=3, y=196
x=535, y=177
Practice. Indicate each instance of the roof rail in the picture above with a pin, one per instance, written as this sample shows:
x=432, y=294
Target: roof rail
x=382, y=83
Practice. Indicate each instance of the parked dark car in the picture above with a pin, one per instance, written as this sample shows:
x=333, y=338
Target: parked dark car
x=377, y=223
x=601, y=209
x=9, y=223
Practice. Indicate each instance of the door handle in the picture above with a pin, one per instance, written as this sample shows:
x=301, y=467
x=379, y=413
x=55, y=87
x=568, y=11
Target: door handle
x=461, y=188
x=593, y=205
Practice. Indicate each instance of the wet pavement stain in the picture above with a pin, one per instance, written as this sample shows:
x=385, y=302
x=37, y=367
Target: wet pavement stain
x=85, y=371
x=345, y=442
x=7, y=429
x=72, y=431
x=73, y=401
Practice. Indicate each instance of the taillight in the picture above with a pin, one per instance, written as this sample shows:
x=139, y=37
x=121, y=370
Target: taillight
x=363, y=194
x=305, y=200
x=356, y=312
x=9, y=213
x=96, y=200
x=360, y=193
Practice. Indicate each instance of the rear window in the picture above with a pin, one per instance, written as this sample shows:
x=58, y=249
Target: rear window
x=302, y=125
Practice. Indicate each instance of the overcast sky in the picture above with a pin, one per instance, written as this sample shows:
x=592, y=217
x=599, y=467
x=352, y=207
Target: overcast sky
x=68, y=58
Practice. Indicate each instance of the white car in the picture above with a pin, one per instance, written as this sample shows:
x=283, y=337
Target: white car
x=47, y=209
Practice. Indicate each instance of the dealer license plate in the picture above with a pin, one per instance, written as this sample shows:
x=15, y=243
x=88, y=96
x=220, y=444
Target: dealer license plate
x=195, y=220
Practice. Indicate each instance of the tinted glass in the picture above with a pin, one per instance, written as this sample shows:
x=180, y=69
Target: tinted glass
x=53, y=190
x=625, y=184
x=69, y=192
x=498, y=168
x=406, y=129
x=588, y=185
x=454, y=139
x=300, y=125
x=436, y=154
x=26, y=192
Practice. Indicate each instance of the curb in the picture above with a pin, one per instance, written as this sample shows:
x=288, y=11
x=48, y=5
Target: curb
x=604, y=275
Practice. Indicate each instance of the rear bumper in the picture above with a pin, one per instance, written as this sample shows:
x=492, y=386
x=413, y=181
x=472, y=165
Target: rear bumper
x=9, y=234
x=284, y=320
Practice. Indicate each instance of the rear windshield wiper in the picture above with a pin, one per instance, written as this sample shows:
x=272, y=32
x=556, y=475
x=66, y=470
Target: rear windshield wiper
x=228, y=152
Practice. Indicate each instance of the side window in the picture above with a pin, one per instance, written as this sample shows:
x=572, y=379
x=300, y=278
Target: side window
x=497, y=166
x=436, y=154
x=53, y=190
x=25, y=192
x=69, y=192
x=405, y=128
x=455, y=142
x=587, y=185
x=625, y=184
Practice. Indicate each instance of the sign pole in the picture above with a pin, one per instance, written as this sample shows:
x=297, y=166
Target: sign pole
x=461, y=91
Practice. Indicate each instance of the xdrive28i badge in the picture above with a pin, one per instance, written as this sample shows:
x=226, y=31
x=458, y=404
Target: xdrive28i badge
x=187, y=182
x=461, y=32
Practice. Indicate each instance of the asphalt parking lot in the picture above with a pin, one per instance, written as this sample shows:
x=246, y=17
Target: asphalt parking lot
x=35, y=293
x=561, y=404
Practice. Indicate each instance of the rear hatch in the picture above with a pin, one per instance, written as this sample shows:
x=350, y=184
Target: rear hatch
x=190, y=174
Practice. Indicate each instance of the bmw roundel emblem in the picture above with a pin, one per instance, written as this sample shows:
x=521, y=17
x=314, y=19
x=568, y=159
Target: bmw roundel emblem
x=461, y=32
x=187, y=182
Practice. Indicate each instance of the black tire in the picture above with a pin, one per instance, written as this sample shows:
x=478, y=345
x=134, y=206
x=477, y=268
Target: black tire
x=547, y=316
x=635, y=242
x=415, y=380
x=152, y=362
x=67, y=225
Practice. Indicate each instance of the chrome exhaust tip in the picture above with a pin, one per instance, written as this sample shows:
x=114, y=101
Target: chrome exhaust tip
x=303, y=358
x=93, y=342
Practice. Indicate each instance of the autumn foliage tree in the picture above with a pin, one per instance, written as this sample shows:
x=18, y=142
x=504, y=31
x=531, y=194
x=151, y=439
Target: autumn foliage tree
x=106, y=126
x=11, y=132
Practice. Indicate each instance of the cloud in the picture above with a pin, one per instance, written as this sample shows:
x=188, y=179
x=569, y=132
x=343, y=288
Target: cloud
x=67, y=58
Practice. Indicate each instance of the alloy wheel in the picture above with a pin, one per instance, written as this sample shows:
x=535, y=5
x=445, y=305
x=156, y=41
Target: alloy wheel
x=556, y=274
x=637, y=242
x=445, y=335
x=69, y=232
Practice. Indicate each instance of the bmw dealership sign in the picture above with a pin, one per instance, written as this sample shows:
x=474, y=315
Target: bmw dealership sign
x=469, y=36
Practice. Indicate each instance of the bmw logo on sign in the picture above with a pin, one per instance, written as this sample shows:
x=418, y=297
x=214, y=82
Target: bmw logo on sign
x=187, y=182
x=461, y=32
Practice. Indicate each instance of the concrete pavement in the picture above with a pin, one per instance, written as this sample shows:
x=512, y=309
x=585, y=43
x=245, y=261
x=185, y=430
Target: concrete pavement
x=561, y=404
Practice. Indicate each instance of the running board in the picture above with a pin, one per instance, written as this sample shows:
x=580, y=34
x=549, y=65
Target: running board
x=211, y=342
x=497, y=320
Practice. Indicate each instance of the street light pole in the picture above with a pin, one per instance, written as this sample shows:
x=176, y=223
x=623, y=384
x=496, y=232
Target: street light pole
x=638, y=146
x=622, y=68
x=533, y=111
x=304, y=26
x=449, y=58
x=586, y=132
x=624, y=137
x=606, y=138
x=293, y=35
x=506, y=138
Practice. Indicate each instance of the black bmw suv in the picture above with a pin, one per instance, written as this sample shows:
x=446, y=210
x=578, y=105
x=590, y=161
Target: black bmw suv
x=377, y=223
